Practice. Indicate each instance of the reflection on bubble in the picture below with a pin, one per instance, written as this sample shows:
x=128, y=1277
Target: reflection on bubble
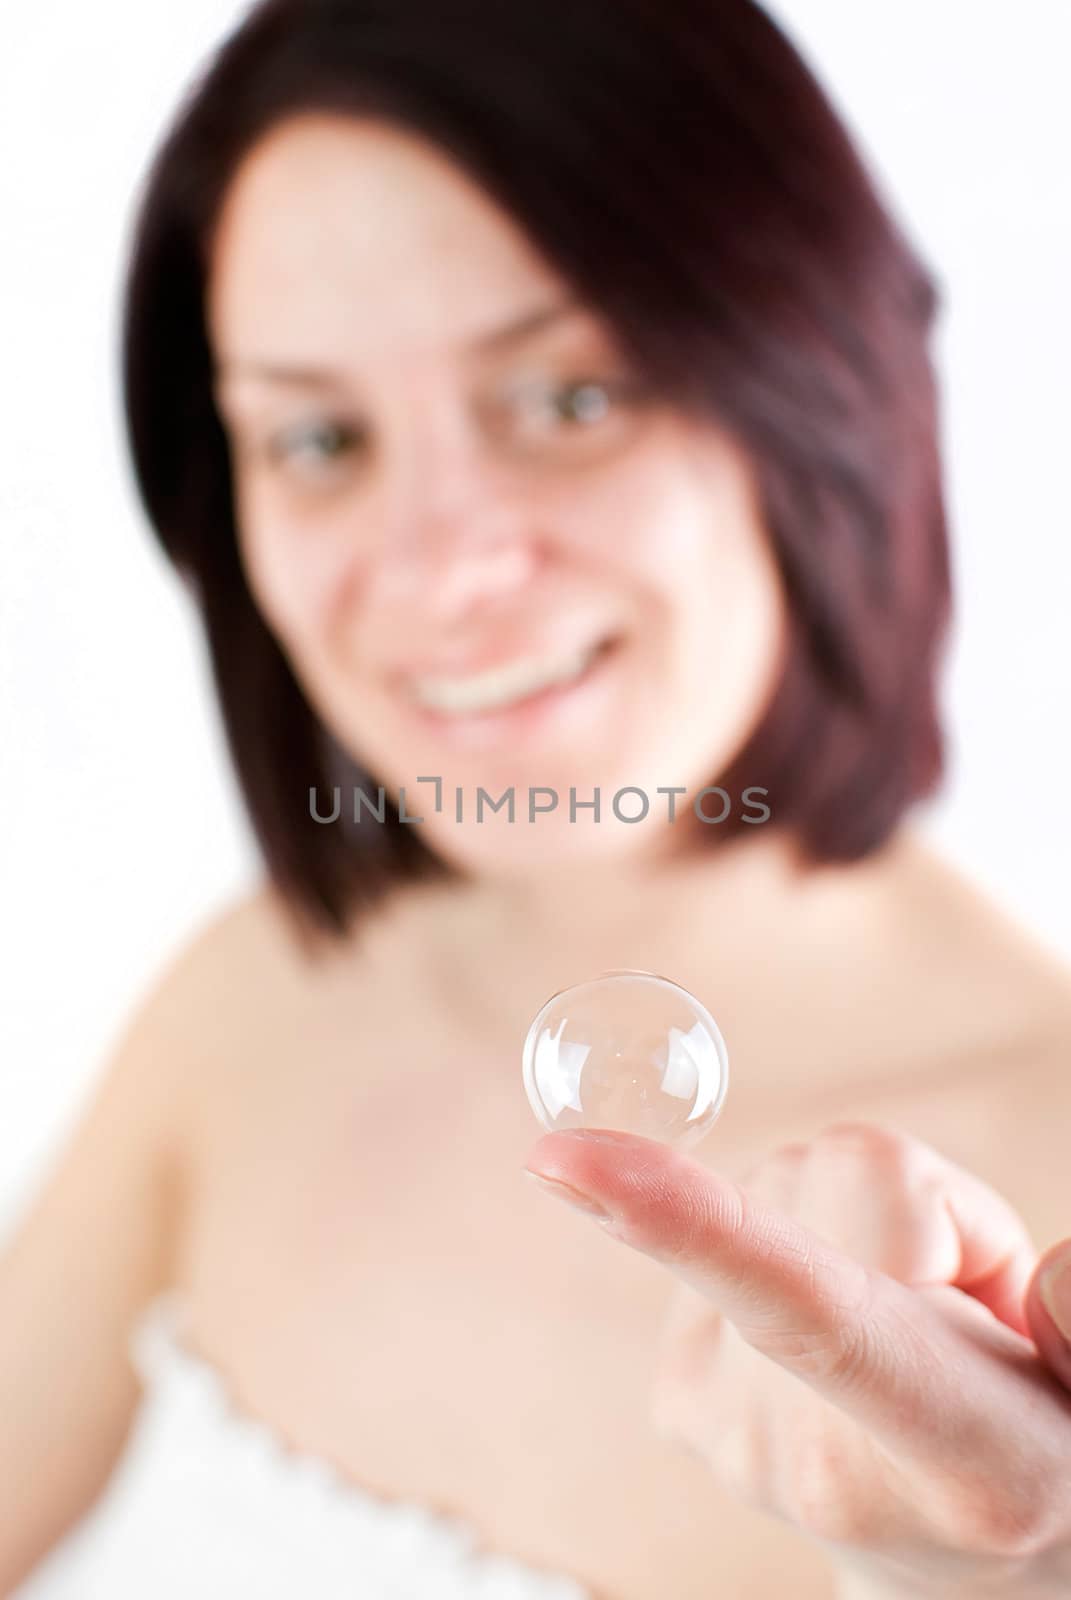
x=630, y=1051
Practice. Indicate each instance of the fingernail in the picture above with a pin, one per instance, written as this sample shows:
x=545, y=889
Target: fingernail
x=1055, y=1287
x=565, y=1191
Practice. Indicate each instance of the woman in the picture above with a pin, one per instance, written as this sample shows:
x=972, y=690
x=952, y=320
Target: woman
x=538, y=399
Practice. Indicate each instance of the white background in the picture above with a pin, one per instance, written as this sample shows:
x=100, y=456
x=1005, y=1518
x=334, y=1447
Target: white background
x=120, y=828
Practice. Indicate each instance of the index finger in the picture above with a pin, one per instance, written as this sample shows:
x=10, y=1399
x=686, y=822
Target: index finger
x=868, y=1344
x=779, y=1283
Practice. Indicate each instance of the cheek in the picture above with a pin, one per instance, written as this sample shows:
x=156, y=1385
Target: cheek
x=682, y=530
x=728, y=580
x=640, y=528
x=296, y=576
x=689, y=541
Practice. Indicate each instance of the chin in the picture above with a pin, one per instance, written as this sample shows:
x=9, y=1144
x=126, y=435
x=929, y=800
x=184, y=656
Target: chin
x=497, y=848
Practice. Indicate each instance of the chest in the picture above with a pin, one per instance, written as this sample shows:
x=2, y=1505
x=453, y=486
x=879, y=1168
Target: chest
x=371, y=1269
x=381, y=1283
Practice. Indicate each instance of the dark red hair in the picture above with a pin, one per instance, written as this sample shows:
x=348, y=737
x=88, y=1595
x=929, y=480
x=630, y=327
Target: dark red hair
x=679, y=164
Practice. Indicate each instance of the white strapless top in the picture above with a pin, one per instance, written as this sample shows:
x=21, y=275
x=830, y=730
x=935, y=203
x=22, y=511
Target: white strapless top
x=207, y=1503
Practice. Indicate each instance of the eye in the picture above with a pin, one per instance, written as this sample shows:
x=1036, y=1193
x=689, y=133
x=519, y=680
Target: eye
x=587, y=401
x=584, y=414
x=321, y=445
x=583, y=401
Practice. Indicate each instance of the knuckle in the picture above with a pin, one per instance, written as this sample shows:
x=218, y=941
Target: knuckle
x=670, y=1409
x=868, y=1142
x=837, y=1355
x=823, y=1499
x=788, y=1155
x=688, y=1381
x=999, y=1520
x=837, y=1346
x=738, y=1460
x=690, y=1350
x=1013, y=1530
x=722, y=1436
x=850, y=1354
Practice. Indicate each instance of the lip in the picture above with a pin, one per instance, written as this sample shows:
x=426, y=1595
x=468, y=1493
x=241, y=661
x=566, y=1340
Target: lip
x=481, y=730
x=492, y=659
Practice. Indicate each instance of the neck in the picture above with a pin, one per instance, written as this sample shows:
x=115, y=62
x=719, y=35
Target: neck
x=513, y=943
x=768, y=941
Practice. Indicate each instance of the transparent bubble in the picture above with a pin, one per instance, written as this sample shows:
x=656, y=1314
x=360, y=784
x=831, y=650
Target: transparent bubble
x=630, y=1051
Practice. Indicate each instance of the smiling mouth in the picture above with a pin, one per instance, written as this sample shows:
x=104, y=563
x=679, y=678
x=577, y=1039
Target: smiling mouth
x=501, y=687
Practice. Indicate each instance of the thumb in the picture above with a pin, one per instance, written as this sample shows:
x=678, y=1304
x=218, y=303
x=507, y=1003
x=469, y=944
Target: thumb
x=1048, y=1309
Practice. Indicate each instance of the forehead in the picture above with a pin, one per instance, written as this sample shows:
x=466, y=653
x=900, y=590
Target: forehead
x=337, y=231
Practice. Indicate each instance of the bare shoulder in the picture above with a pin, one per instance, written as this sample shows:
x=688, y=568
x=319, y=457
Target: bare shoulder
x=103, y=1230
x=996, y=1092
x=1026, y=1112
x=201, y=1009
x=1003, y=981
x=249, y=1006
x=227, y=987
x=246, y=941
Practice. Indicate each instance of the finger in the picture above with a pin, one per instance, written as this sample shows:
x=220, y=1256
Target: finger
x=996, y=1253
x=896, y=1204
x=904, y=1363
x=1048, y=1308
x=939, y=1383
x=830, y=1320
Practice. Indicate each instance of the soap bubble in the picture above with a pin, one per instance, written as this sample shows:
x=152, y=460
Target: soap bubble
x=630, y=1051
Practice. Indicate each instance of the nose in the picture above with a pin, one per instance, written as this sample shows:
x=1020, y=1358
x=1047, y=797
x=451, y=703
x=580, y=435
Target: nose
x=457, y=535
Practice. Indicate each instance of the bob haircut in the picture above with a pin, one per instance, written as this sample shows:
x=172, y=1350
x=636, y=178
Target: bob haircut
x=679, y=164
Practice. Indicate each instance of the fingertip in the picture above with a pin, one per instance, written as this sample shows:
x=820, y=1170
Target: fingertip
x=1048, y=1309
x=597, y=1149
x=640, y=1180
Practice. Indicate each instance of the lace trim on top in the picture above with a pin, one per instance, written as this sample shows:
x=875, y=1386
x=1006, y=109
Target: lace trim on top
x=404, y=1534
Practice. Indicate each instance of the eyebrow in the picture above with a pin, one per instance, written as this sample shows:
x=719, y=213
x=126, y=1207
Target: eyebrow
x=533, y=321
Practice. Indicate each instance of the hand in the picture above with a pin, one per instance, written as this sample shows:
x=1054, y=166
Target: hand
x=859, y=1345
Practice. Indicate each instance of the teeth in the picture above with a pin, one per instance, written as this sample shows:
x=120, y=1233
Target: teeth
x=485, y=691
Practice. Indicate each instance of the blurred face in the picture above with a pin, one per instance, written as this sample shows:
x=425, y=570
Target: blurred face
x=490, y=556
